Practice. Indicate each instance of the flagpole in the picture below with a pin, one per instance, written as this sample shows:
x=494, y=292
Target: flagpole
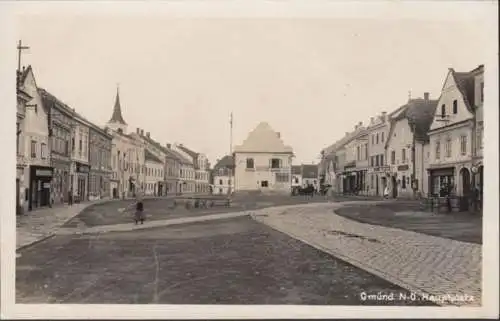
x=231, y=151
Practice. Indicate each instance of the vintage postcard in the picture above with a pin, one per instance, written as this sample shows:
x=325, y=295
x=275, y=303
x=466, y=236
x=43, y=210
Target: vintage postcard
x=267, y=159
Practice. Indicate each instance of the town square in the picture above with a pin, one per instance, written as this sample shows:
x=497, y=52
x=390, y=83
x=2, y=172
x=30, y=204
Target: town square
x=314, y=162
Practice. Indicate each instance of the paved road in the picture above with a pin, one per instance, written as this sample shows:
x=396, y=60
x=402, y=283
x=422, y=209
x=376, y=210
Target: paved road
x=463, y=227
x=161, y=209
x=235, y=261
x=447, y=269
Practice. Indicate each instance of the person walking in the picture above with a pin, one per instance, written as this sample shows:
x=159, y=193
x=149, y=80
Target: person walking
x=139, y=210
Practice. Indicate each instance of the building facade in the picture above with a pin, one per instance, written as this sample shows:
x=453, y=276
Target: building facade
x=128, y=161
x=406, y=147
x=100, y=146
x=222, y=176
x=38, y=169
x=154, y=151
x=80, y=169
x=173, y=164
x=356, y=161
x=187, y=181
x=377, y=130
x=22, y=99
x=154, y=174
x=61, y=122
x=454, y=135
x=201, y=175
x=263, y=162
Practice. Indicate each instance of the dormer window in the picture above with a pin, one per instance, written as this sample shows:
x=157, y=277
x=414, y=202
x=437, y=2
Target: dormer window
x=455, y=107
x=443, y=111
x=250, y=163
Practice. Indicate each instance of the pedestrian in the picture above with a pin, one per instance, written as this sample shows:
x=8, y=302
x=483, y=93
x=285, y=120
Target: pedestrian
x=139, y=210
x=386, y=191
x=70, y=197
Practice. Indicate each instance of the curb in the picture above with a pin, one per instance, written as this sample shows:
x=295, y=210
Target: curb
x=35, y=242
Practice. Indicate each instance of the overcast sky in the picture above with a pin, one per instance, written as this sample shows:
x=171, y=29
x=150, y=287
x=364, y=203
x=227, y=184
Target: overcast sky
x=312, y=80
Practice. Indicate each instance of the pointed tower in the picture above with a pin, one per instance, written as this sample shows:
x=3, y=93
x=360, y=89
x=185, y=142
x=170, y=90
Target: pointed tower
x=116, y=122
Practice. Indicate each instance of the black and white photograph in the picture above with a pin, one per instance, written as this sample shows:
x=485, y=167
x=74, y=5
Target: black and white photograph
x=194, y=159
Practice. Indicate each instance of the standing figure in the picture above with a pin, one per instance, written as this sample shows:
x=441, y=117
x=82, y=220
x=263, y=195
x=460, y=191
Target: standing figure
x=139, y=210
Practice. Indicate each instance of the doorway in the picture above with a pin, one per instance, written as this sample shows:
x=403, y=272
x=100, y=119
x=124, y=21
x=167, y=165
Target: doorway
x=465, y=177
x=376, y=185
x=394, y=187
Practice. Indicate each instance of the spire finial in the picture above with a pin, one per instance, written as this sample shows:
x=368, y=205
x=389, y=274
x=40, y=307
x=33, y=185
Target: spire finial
x=117, y=110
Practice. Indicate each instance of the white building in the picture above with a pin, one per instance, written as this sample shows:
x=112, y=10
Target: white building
x=201, y=175
x=408, y=133
x=187, y=181
x=154, y=174
x=456, y=134
x=378, y=130
x=263, y=162
x=38, y=172
x=128, y=161
x=296, y=176
x=222, y=176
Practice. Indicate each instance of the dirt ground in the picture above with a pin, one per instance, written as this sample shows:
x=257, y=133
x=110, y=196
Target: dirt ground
x=463, y=227
x=236, y=261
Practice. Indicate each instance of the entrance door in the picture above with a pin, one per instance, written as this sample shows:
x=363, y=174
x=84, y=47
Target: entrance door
x=394, y=187
x=465, y=175
x=376, y=185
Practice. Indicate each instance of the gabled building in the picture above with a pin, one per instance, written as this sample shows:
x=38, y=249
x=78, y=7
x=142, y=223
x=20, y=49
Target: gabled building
x=22, y=99
x=456, y=134
x=200, y=163
x=187, y=181
x=263, y=162
x=407, y=146
x=222, y=176
x=38, y=172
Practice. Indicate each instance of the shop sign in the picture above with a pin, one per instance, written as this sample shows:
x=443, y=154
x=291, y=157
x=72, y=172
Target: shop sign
x=403, y=167
x=43, y=172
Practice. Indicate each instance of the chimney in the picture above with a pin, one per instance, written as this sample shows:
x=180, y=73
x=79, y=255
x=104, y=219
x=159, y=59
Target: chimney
x=169, y=145
x=372, y=120
x=142, y=132
x=360, y=124
x=147, y=134
x=384, y=115
x=426, y=96
x=138, y=130
x=278, y=134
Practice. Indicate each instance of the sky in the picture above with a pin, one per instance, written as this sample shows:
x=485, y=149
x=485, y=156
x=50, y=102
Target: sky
x=312, y=80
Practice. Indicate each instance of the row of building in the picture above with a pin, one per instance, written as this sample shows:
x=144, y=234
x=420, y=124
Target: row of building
x=426, y=146
x=63, y=157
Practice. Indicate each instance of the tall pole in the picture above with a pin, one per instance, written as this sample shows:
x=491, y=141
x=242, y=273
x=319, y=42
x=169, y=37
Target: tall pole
x=231, y=152
x=20, y=48
x=413, y=156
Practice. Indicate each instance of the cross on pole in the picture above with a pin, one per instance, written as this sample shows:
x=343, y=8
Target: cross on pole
x=20, y=48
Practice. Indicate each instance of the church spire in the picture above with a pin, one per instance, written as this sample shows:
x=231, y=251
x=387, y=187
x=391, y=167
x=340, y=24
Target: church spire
x=117, y=110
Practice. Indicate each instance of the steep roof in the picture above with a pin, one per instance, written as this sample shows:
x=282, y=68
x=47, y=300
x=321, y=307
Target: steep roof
x=418, y=111
x=296, y=170
x=117, y=111
x=465, y=84
x=169, y=152
x=263, y=139
x=225, y=162
x=188, y=151
x=148, y=156
x=309, y=171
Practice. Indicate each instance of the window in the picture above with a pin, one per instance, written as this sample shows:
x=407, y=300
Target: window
x=382, y=137
x=376, y=141
x=480, y=139
x=403, y=182
x=381, y=160
x=372, y=176
x=264, y=184
x=438, y=149
x=33, y=149
x=443, y=111
x=366, y=152
x=43, y=150
x=296, y=180
x=373, y=139
x=371, y=161
x=282, y=177
x=358, y=153
x=376, y=160
x=73, y=144
x=80, y=147
x=220, y=181
x=17, y=138
x=250, y=163
x=393, y=157
x=275, y=163
x=463, y=144
x=403, y=155
x=455, y=106
x=448, y=147
x=482, y=91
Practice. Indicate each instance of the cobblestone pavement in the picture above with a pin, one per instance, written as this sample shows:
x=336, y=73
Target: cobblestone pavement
x=445, y=270
x=225, y=261
x=465, y=227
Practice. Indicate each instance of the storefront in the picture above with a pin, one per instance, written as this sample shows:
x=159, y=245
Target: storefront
x=61, y=181
x=82, y=178
x=40, y=183
x=441, y=180
x=378, y=179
